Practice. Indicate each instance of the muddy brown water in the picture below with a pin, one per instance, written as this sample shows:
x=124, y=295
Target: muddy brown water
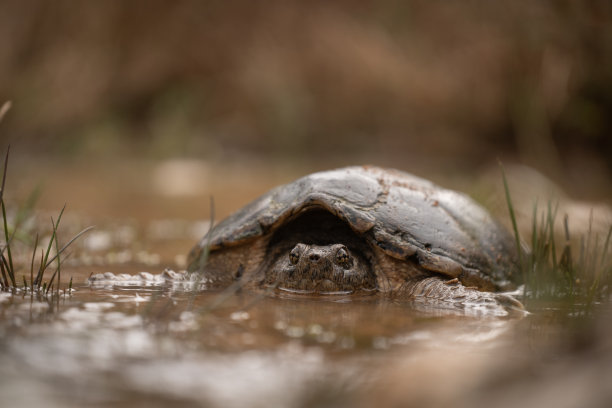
x=165, y=346
x=125, y=345
x=160, y=345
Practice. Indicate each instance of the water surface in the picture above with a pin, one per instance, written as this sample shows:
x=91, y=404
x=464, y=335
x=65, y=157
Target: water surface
x=164, y=344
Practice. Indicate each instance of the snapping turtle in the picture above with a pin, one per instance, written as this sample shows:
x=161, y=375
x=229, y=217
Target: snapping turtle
x=364, y=230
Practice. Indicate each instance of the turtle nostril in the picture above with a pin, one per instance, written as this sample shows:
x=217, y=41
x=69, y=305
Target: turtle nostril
x=314, y=257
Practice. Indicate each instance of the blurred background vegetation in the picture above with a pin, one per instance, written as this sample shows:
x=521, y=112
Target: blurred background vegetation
x=413, y=84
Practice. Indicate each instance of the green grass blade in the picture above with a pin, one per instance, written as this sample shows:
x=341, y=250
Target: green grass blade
x=39, y=275
x=5, y=282
x=48, y=287
x=10, y=270
x=69, y=243
x=582, y=252
x=592, y=260
x=530, y=277
x=4, y=173
x=588, y=248
x=552, y=215
x=59, y=264
x=605, y=247
x=32, y=263
x=53, y=237
x=513, y=218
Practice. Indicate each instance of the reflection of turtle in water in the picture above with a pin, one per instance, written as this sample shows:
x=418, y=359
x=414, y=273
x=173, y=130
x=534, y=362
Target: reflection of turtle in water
x=360, y=230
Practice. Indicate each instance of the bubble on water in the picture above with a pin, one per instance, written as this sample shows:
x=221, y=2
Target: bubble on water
x=496, y=330
x=415, y=336
x=280, y=325
x=295, y=331
x=146, y=276
x=119, y=320
x=347, y=342
x=173, y=275
x=140, y=279
x=136, y=298
x=107, y=275
x=187, y=316
x=4, y=297
x=17, y=321
x=136, y=342
x=182, y=326
x=120, y=257
x=187, y=321
x=125, y=234
x=240, y=315
x=380, y=343
x=98, y=240
x=35, y=306
x=98, y=306
x=315, y=330
x=148, y=258
x=326, y=337
x=243, y=379
x=79, y=320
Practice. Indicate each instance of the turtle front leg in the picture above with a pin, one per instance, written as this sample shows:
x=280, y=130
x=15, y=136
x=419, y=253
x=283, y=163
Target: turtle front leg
x=443, y=293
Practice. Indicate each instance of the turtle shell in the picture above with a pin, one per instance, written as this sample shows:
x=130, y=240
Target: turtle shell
x=407, y=217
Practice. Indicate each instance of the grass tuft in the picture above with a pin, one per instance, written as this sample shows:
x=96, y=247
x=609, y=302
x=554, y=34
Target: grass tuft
x=7, y=268
x=513, y=219
x=578, y=272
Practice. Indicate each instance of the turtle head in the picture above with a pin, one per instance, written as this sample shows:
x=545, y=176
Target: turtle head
x=323, y=269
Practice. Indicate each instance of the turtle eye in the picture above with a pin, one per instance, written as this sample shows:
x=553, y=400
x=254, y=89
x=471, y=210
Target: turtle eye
x=294, y=255
x=342, y=256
